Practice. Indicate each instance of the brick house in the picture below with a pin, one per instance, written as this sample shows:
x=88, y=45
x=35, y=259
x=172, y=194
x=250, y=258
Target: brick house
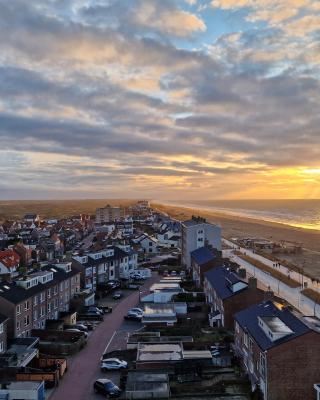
x=279, y=350
x=28, y=302
x=227, y=294
x=3, y=333
x=202, y=260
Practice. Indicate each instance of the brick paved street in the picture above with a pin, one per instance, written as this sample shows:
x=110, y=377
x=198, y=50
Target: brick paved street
x=84, y=367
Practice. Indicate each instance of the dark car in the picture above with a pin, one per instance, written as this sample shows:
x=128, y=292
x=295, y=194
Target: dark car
x=106, y=388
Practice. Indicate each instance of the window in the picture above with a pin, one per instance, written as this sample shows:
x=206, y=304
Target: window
x=26, y=320
x=42, y=297
x=245, y=339
x=66, y=284
x=1, y=328
x=35, y=315
x=61, y=286
x=18, y=325
x=1, y=347
x=35, y=300
x=237, y=327
x=262, y=368
x=42, y=311
x=49, y=307
x=26, y=305
x=49, y=293
x=55, y=290
x=18, y=309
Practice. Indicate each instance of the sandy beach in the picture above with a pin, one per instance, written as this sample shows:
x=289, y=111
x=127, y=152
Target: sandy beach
x=240, y=227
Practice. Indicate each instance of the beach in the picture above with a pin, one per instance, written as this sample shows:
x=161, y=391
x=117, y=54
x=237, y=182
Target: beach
x=241, y=227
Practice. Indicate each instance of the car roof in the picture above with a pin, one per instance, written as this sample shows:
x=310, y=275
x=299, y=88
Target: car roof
x=103, y=380
x=111, y=359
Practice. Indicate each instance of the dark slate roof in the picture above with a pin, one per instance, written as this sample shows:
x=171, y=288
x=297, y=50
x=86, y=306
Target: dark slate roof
x=221, y=279
x=248, y=320
x=17, y=294
x=203, y=255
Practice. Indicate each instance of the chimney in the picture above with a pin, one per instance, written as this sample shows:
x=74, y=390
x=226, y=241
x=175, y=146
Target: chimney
x=252, y=283
x=242, y=272
x=268, y=295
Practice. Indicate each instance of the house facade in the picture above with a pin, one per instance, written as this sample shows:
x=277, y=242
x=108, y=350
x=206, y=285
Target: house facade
x=279, y=351
x=202, y=260
x=228, y=294
x=28, y=302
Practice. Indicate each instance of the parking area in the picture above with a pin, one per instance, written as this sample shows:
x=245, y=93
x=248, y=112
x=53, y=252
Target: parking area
x=109, y=335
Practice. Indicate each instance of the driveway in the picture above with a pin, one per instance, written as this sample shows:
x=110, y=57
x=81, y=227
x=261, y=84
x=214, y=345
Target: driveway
x=84, y=368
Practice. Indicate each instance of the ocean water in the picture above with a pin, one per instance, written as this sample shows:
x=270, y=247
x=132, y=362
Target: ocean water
x=299, y=213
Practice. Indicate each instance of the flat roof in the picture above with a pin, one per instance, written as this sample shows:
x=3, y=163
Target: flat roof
x=137, y=376
x=199, y=354
x=160, y=308
x=147, y=387
x=164, y=286
x=159, y=352
x=24, y=385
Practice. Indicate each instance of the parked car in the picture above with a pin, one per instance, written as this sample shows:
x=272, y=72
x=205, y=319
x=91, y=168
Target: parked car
x=95, y=309
x=133, y=286
x=136, y=276
x=173, y=273
x=106, y=387
x=88, y=325
x=117, y=295
x=135, y=314
x=113, y=363
x=77, y=330
x=114, y=284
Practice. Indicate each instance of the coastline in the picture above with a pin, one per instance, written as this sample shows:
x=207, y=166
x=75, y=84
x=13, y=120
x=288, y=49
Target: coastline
x=238, y=226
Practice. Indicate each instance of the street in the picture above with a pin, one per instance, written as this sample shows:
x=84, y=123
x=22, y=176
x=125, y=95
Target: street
x=84, y=367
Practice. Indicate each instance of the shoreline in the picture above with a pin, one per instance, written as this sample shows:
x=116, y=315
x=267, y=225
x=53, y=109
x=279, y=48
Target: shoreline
x=234, y=214
x=236, y=226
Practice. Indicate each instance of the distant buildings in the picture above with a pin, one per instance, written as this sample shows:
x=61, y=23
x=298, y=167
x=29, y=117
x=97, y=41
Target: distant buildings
x=196, y=233
x=109, y=214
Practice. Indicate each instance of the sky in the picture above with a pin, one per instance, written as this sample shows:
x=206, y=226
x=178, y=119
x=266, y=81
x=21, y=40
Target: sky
x=159, y=99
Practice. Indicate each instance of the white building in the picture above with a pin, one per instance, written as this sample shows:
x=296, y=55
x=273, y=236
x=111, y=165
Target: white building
x=148, y=243
x=196, y=233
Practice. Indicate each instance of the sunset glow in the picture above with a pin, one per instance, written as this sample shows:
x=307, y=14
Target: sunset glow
x=172, y=99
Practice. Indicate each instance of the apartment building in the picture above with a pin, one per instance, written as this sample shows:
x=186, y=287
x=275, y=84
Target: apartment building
x=109, y=214
x=279, y=350
x=228, y=294
x=196, y=233
x=28, y=302
x=113, y=262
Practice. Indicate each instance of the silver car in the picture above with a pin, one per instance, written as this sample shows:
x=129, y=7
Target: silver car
x=113, y=363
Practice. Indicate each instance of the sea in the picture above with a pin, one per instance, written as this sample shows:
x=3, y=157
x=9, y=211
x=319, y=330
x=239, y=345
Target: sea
x=298, y=213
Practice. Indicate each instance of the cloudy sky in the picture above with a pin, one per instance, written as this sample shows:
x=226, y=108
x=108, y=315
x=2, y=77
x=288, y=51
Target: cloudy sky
x=185, y=99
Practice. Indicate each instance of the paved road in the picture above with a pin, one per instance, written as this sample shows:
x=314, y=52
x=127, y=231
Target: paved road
x=84, y=368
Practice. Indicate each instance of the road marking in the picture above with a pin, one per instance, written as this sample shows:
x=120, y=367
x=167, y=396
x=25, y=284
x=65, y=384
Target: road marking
x=105, y=350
